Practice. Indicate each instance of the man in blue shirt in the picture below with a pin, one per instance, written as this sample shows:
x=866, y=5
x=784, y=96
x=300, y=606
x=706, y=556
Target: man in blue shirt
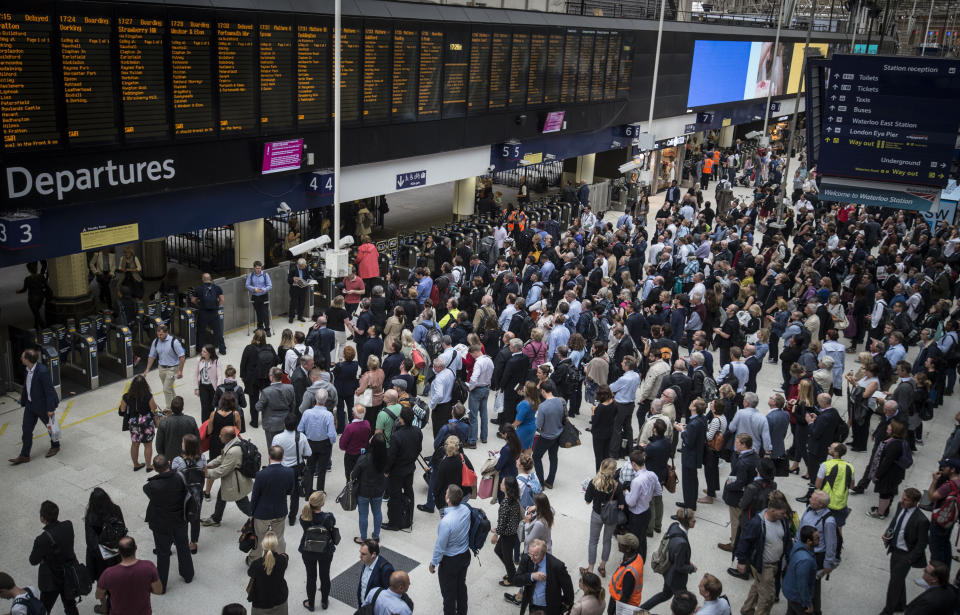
x=392, y=601
x=441, y=390
x=536, y=289
x=451, y=553
x=559, y=336
x=258, y=285
x=424, y=286
x=896, y=352
x=318, y=428
x=546, y=582
x=168, y=353
x=624, y=391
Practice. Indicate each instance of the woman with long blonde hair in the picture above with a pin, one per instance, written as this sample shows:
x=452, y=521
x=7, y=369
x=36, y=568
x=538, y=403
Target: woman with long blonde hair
x=317, y=560
x=267, y=590
x=602, y=489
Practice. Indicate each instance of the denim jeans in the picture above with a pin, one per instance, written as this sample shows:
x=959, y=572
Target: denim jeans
x=374, y=504
x=477, y=405
x=550, y=446
x=590, y=391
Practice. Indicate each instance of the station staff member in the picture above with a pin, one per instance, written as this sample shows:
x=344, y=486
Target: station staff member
x=169, y=354
x=259, y=285
x=208, y=297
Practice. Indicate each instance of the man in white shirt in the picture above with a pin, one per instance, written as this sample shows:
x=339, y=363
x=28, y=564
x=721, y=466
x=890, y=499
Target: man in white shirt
x=500, y=235
x=643, y=488
x=296, y=452
x=293, y=355
x=479, y=386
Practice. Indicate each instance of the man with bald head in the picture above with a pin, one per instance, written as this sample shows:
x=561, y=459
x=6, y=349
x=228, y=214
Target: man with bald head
x=234, y=486
x=823, y=431
x=394, y=600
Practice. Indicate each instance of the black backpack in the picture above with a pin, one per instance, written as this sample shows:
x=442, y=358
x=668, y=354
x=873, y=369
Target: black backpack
x=369, y=609
x=458, y=394
x=112, y=531
x=266, y=358
x=31, y=603
x=193, y=479
x=433, y=342
x=317, y=538
x=250, y=461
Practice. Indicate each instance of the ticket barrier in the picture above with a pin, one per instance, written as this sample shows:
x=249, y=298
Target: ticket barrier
x=48, y=341
x=116, y=356
x=80, y=362
x=183, y=326
x=145, y=325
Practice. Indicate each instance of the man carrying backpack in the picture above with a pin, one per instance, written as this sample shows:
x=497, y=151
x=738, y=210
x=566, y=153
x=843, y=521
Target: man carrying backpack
x=234, y=486
x=451, y=552
x=672, y=558
x=26, y=600
x=944, y=492
x=167, y=493
x=820, y=517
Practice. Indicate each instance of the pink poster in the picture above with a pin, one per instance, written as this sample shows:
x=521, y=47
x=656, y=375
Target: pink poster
x=282, y=156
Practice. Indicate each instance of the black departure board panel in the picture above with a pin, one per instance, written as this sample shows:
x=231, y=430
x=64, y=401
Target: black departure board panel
x=27, y=103
x=142, y=77
x=586, y=66
x=571, y=59
x=313, y=88
x=406, y=45
x=276, y=77
x=456, y=64
x=554, y=70
x=613, y=62
x=350, y=58
x=626, y=67
x=191, y=76
x=519, y=65
x=431, y=65
x=538, y=68
x=236, y=83
x=376, y=73
x=500, y=70
x=88, y=78
x=598, y=72
x=479, y=72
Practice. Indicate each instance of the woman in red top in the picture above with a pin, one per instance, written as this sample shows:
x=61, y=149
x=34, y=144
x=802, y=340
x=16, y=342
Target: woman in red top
x=353, y=290
x=368, y=263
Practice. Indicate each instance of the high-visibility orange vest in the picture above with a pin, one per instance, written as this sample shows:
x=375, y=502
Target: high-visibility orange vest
x=616, y=582
x=716, y=156
x=708, y=165
x=512, y=219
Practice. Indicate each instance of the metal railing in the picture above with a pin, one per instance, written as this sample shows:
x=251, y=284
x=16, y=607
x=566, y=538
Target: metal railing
x=539, y=176
x=208, y=249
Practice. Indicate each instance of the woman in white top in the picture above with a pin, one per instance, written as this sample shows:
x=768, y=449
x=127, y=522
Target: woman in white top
x=206, y=379
x=860, y=401
x=711, y=461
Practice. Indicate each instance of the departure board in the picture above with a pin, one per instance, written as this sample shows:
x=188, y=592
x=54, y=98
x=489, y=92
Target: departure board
x=571, y=59
x=350, y=57
x=376, y=73
x=88, y=78
x=406, y=44
x=554, y=70
x=456, y=59
x=585, y=66
x=276, y=77
x=613, y=62
x=235, y=67
x=499, y=70
x=626, y=67
x=27, y=105
x=431, y=64
x=538, y=68
x=313, y=87
x=479, y=72
x=191, y=76
x=599, y=66
x=519, y=65
x=142, y=77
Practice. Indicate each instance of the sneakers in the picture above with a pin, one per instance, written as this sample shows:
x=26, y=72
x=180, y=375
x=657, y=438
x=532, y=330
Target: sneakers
x=209, y=522
x=874, y=513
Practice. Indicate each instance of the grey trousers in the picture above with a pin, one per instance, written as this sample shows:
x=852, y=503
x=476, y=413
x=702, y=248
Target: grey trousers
x=596, y=524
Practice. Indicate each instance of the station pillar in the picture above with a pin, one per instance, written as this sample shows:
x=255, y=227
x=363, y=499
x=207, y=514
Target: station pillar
x=464, y=196
x=154, y=259
x=248, y=243
x=726, y=136
x=585, y=168
x=67, y=276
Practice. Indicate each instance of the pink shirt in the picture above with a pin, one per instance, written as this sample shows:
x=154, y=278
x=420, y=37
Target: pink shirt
x=129, y=587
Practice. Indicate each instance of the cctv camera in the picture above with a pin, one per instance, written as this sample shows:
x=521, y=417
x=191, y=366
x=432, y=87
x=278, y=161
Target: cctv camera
x=346, y=242
x=306, y=246
x=283, y=208
x=323, y=241
x=491, y=168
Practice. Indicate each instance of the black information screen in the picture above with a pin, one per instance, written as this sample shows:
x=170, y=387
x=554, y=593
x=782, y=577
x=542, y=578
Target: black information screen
x=276, y=77
x=406, y=44
x=313, y=85
x=27, y=105
x=479, y=71
x=431, y=64
x=586, y=65
x=191, y=76
x=142, y=77
x=237, y=84
x=571, y=58
x=88, y=78
x=455, y=73
x=626, y=67
x=350, y=41
x=599, y=66
x=554, y=70
x=376, y=73
x=519, y=65
x=499, y=70
x=613, y=62
x=538, y=68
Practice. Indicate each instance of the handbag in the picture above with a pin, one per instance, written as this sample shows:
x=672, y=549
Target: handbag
x=716, y=442
x=418, y=361
x=851, y=330
x=570, y=436
x=205, y=435
x=468, y=478
x=365, y=398
x=348, y=496
x=671, y=482
x=486, y=487
x=610, y=512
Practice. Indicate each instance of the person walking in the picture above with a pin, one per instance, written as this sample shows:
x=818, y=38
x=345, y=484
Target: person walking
x=129, y=584
x=167, y=519
x=546, y=584
x=451, y=553
x=268, y=502
x=234, y=486
x=25, y=600
x=368, y=473
x=317, y=546
x=138, y=409
x=206, y=378
x=602, y=491
x=678, y=554
x=173, y=428
x=190, y=465
x=39, y=400
x=276, y=400
x=504, y=536
x=762, y=545
x=296, y=451
x=643, y=488
x=169, y=355
x=268, y=591
x=626, y=583
x=906, y=541
x=743, y=469
x=886, y=469
x=551, y=416
x=103, y=527
x=52, y=549
x=800, y=578
x=317, y=426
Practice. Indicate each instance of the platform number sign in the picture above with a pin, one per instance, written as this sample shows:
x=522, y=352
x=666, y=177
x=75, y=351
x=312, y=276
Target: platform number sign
x=630, y=131
x=15, y=233
x=510, y=151
x=320, y=183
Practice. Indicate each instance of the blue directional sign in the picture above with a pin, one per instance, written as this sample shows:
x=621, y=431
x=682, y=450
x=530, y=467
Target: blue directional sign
x=411, y=179
x=890, y=119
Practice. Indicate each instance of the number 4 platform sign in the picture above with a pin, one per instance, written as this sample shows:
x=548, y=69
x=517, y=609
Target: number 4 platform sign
x=320, y=183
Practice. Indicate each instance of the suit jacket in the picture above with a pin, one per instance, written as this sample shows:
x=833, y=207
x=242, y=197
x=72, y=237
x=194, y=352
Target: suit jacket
x=515, y=372
x=51, y=549
x=169, y=439
x=300, y=382
x=743, y=469
x=753, y=364
x=379, y=576
x=43, y=396
x=166, y=492
x=935, y=601
x=275, y=402
x=694, y=439
x=292, y=272
x=821, y=432
x=559, y=586
x=323, y=341
x=271, y=488
x=680, y=567
x=681, y=381
x=915, y=536
x=779, y=422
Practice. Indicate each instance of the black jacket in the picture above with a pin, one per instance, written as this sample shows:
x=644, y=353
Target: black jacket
x=753, y=364
x=406, y=442
x=694, y=439
x=915, y=536
x=370, y=482
x=559, y=590
x=51, y=549
x=270, y=490
x=167, y=493
x=301, y=382
x=379, y=577
x=658, y=453
x=743, y=469
x=514, y=372
x=499, y=363
x=935, y=601
x=682, y=382
x=679, y=549
x=323, y=341
x=821, y=432
x=169, y=439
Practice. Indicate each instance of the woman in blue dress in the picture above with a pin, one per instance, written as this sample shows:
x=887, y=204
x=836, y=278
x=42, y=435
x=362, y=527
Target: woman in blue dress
x=526, y=423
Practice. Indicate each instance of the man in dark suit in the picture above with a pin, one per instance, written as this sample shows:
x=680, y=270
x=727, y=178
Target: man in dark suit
x=50, y=550
x=393, y=361
x=906, y=541
x=276, y=400
x=166, y=492
x=753, y=365
x=300, y=379
x=939, y=597
x=546, y=584
x=514, y=375
x=406, y=442
x=298, y=277
x=681, y=380
x=322, y=340
x=743, y=469
x=693, y=438
x=891, y=412
x=269, y=502
x=823, y=428
x=376, y=569
x=39, y=400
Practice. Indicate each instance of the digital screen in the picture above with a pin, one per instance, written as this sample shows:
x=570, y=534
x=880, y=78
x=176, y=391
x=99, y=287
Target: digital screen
x=350, y=40
x=626, y=67
x=431, y=64
x=282, y=156
x=313, y=88
x=406, y=44
x=554, y=121
x=191, y=75
x=142, y=77
x=235, y=67
x=538, y=68
x=554, y=70
x=796, y=63
x=586, y=66
x=455, y=74
x=499, y=70
x=613, y=62
x=376, y=73
x=276, y=77
x=571, y=59
x=479, y=71
x=27, y=106
x=88, y=78
x=519, y=65
x=599, y=66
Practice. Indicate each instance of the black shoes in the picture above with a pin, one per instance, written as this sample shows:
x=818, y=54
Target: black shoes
x=390, y=527
x=425, y=508
x=736, y=573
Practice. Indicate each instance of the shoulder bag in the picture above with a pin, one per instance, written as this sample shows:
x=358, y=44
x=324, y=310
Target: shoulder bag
x=610, y=512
